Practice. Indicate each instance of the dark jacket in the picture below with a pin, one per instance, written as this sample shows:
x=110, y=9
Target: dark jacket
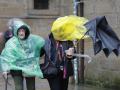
x=51, y=53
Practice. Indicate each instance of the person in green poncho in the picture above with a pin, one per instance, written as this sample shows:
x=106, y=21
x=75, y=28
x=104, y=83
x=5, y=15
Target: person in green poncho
x=21, y=56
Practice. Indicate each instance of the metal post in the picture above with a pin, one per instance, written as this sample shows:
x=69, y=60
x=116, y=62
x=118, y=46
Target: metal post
x=79, y=69
x=80, y=46
x=81, y=6
x=76, y=60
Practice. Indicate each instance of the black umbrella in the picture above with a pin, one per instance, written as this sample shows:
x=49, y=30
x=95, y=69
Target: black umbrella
x=104, y=38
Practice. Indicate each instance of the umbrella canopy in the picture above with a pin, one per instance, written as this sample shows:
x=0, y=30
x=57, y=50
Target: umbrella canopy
x=104, y=38
x=69, y=28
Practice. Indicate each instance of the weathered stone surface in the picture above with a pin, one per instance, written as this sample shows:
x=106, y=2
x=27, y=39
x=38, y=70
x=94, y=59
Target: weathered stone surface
x=41, y=23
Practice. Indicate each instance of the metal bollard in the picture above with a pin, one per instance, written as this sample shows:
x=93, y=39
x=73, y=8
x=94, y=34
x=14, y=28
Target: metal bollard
x=75, y=65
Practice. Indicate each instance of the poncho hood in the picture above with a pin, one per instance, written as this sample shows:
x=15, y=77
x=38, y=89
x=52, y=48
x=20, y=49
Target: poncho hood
x=17, y=24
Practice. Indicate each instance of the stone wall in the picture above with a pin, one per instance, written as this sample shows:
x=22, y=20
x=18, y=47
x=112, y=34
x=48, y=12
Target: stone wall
x=103, y=71
x=39, y=20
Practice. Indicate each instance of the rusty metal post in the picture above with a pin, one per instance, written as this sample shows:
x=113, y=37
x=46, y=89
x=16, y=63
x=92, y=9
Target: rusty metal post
x=76, y=60
x=79, y=63
x=82, y=47
x=80, y=12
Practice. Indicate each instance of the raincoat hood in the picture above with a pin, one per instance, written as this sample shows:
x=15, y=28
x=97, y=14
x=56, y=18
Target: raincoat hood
x=20, y=24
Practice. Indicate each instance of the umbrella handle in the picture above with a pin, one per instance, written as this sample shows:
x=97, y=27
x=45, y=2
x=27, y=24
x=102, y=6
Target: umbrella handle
x=84, y=56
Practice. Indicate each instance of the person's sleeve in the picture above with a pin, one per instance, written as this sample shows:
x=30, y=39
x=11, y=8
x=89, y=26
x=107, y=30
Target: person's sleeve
x=42, y=52
x=42, y=43
x=6, y=57
x=4, y=66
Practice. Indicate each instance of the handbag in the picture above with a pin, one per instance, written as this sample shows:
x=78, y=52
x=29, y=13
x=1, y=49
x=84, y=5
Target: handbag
x=49, y=69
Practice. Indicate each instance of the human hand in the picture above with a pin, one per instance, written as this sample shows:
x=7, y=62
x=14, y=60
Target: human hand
x=5, y=74
x=69, y=52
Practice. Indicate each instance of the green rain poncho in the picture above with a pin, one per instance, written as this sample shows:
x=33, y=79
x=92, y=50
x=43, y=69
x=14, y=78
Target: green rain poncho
x=22, y=54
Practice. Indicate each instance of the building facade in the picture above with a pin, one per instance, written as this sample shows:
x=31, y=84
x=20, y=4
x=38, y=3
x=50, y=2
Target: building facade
x=103, y=71
x=40, y=14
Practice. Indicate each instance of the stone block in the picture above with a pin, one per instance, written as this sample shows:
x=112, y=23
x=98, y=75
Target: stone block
x=105, y=6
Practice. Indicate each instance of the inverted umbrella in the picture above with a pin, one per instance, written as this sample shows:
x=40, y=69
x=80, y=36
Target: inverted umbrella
x=69, y=28
x=104, y=38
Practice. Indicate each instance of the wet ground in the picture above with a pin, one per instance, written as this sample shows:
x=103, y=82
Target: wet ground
x=42, y=84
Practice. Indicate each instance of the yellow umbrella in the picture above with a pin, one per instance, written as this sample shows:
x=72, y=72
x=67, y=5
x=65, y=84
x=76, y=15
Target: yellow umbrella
x=69, y=28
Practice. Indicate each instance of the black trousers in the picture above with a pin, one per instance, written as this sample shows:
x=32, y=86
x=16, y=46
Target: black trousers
x=58, y=83
x=18, y=81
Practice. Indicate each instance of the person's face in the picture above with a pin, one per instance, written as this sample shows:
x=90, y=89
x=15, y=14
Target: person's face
x=21, y=33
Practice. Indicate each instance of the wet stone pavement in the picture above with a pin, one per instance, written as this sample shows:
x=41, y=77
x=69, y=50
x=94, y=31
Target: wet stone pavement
x=42, y=84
